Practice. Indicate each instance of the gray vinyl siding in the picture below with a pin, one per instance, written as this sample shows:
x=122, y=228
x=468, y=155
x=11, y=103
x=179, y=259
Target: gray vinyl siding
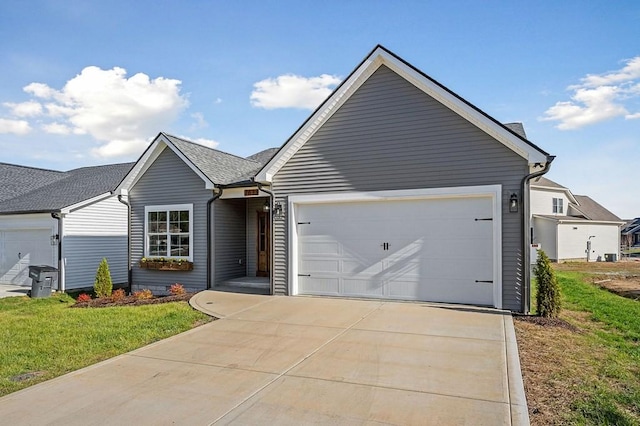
x=91, y=233
x=169, y=181
x=390, y=135
x=229, y=240
x=253, y=206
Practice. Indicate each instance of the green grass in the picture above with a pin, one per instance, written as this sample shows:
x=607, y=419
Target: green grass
x=613, y=394
x=47, y=338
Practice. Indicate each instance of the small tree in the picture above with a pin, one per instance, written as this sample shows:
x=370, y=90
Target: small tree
x=548, y=297
x=103, y=285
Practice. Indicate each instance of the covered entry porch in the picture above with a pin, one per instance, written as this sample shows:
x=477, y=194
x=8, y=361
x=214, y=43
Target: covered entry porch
x=242, y=249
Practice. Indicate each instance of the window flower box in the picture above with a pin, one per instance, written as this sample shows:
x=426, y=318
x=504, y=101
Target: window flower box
x=162, y=264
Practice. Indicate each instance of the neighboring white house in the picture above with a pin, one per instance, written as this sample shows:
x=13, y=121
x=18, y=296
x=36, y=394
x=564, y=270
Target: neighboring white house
x=572, y=227
x=69, y=220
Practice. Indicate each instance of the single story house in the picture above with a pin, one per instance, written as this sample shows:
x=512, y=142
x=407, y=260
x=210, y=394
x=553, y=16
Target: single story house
x=395, y=188
x=572, y=227
x=69, y=220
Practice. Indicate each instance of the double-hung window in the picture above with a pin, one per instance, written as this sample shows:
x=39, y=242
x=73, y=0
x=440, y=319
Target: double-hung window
x=169, y=231
x=558, y=205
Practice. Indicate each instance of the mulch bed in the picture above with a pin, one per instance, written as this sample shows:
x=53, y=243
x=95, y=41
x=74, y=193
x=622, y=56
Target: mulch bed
x=105, y=302
x=546, y=322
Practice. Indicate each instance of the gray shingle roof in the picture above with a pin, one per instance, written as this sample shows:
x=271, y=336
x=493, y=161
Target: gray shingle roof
x=594, y=211
x=263, y=157
x=220, y=167
x=518, y=128
x=17, y=180
x=73, y=187
x=542, y=181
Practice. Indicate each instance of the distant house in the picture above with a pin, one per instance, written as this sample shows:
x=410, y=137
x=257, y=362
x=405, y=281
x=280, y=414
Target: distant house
x=572, y=227
x=394, y=188
x=631, y=233
x=69, y=220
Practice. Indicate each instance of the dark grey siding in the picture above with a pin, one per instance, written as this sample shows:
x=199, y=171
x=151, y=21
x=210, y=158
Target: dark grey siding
x=229, y=239
x=169, y=181
x=390, y=135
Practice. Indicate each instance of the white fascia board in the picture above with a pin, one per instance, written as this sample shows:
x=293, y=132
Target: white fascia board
x=365, y=70
x=149, y=157
x=85, y=203
x=565, y=191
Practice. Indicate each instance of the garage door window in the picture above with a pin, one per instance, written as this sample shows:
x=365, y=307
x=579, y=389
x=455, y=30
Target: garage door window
x=169, y=231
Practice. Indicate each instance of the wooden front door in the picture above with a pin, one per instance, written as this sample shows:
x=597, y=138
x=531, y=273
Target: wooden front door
x=263, y=244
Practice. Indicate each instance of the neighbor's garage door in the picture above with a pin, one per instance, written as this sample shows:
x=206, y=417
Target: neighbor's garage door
x=437, y=250
x=21, y=248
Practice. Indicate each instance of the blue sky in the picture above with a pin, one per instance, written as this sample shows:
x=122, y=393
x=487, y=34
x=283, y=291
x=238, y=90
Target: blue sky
x=91, y=82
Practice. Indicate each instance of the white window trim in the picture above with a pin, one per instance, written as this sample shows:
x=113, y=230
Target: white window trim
x=167, y=208
x=492, y=191
x=557, y=205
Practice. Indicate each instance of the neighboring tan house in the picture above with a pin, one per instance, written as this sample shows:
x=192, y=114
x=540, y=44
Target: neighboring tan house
x=631, y=233
x=394, y=188
x=572, y=227
x=69, y=220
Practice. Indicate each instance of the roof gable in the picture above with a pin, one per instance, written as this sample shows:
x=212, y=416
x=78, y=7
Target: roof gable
x=381, y=56
x=214, y=167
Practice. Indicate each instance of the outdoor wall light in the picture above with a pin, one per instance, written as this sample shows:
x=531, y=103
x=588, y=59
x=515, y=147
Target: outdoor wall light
x=265, y=207
x=513, y=203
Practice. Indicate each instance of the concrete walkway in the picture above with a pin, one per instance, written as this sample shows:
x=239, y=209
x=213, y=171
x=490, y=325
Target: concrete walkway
x=299, y=360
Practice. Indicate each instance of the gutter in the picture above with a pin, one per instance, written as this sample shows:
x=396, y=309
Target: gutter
x=272, y=232
x=211, y=200
x=129, y=270
x=525, y=231
x=58, y=217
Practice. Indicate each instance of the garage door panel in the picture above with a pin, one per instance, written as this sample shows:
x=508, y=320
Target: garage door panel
x=20, y=248
x=320, y=286
x=430, y=250
x=362, y=287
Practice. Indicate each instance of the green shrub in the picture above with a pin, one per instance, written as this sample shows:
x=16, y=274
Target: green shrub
x=548, y=297
x=103, y=285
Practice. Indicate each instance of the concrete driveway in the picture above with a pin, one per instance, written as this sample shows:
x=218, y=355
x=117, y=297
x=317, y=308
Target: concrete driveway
x=299, y=360
x=9, y=290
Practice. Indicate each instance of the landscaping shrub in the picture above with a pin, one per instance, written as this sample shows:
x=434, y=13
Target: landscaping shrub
x=548, y=297
x=143, y=294
x=103, y=285
x=177, y=289
x=118, y=294
x=83, y=297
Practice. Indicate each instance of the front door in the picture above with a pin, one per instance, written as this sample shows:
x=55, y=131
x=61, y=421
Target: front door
x=263, y=244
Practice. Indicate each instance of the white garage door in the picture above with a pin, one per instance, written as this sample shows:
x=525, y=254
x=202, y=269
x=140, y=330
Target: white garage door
x=21, y=248
x=437, y=250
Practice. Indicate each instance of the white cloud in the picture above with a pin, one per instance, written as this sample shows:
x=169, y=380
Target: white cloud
x=57, y=129
x=119, y=112
x=598, y=98
x=199, y=121
x=17, y=127
x=293, y=91
x=24, y=109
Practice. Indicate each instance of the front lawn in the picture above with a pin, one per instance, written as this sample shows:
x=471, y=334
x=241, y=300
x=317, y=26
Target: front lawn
x=588, y=373
x=43, y=338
